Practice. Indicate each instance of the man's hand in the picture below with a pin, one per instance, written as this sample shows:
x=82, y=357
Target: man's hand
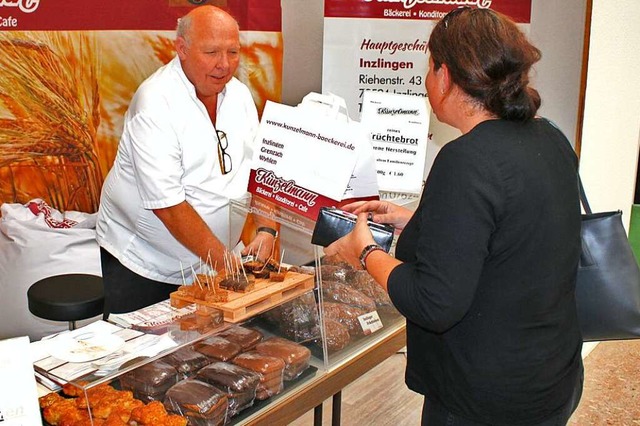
x=261, y=246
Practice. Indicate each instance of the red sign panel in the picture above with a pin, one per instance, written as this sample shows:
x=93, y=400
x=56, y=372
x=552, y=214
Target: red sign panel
x=518, y=10
x=285, y=193
x=69, y=15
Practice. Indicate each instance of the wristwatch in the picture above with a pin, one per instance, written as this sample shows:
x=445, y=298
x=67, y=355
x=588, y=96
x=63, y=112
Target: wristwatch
x=268, y=231
x=366, y=252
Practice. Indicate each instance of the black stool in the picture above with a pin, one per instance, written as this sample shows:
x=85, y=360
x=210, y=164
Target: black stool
x=68, y=297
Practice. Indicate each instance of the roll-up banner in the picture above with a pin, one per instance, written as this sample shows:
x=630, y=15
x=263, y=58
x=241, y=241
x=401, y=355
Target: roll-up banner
x=381, y=45
x=68, y=69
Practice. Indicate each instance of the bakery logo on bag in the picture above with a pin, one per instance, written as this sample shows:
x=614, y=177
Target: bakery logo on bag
x=286, y=187
x=397, y=111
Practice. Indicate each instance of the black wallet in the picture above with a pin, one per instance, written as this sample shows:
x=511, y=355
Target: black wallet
x=334, y=223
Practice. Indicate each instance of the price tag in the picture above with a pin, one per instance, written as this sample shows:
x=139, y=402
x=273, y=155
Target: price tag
x=398, y=128
x=370, y=322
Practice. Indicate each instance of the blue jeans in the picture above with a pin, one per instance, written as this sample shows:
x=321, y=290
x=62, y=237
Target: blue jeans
x=434, y=414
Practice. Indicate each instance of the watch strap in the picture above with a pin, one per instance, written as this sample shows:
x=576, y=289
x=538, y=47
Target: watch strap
x=267, y=230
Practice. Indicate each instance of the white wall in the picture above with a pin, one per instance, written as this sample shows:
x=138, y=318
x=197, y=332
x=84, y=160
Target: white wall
x=302, y=32
x=611, y=130
x=557, y=29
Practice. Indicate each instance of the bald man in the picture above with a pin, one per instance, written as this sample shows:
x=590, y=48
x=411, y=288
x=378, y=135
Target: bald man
x=183, y=154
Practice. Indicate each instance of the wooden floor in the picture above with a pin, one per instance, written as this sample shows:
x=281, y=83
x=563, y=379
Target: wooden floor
x=379, y=398
x=611, y=393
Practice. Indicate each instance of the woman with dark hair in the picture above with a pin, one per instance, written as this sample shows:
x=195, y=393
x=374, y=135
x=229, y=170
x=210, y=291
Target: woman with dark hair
x=485, y=267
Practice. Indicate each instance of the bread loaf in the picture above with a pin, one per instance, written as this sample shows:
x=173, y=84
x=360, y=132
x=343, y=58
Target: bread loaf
x=237, y=382
x=345, y=315
x=187, y=361
x=218, y=348
x=295, y=356
x=364, y=282
x=336, y=335
x=271, y=371
x=200, y=402
x=334, y=273
x=247, y=338
x=335, y=291
x=299, y=319
x=150, y=381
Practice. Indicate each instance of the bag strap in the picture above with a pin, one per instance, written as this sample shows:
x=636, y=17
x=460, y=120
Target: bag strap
x=333, y=105
x=583, y=194
x=583, y=197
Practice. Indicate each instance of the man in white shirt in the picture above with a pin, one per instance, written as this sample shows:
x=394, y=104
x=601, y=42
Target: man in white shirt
x=184, y=153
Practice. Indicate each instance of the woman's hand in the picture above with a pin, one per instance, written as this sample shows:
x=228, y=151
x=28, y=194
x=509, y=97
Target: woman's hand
x=381, y=212
x=350, y=246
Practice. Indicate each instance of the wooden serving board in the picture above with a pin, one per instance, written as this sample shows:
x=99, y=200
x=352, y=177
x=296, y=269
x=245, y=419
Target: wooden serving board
x=265, y=295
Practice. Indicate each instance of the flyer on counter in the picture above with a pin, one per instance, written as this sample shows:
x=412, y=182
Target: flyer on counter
x=398, y=128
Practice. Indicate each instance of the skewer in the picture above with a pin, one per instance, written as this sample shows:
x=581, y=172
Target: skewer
x=184, y=281
x=236, y=269
x=266, y=262
x=227, y=267
x=213, y=278
x=196, y=277
x=281, y=259
x=243, y=273
x=273, y=247
x=259, y=248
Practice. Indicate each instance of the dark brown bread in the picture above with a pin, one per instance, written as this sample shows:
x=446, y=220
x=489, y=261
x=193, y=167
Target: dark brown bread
x=187, y=361
x=263, y=364
x=345, y=315
x=364, y=282
x=218, y=347
x=239, y=383
x=150, y=381
x=247, y=338
x=295, y=356
x=336, y=335
x=198, y=401
x=335, y=291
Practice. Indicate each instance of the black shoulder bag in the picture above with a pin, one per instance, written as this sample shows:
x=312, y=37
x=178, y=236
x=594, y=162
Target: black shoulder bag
x=608, y=281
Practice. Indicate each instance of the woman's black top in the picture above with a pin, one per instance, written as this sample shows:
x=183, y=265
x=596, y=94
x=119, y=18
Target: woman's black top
x=487, y=284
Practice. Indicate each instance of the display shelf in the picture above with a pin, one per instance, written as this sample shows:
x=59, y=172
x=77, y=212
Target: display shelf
x=374, y=332
x=306, y=398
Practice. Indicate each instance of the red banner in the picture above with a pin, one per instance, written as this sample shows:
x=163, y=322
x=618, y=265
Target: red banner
x=285, y=193
x=518, y=10
x=58, y=15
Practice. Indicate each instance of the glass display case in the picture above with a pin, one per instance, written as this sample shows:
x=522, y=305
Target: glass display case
x=270, y=344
